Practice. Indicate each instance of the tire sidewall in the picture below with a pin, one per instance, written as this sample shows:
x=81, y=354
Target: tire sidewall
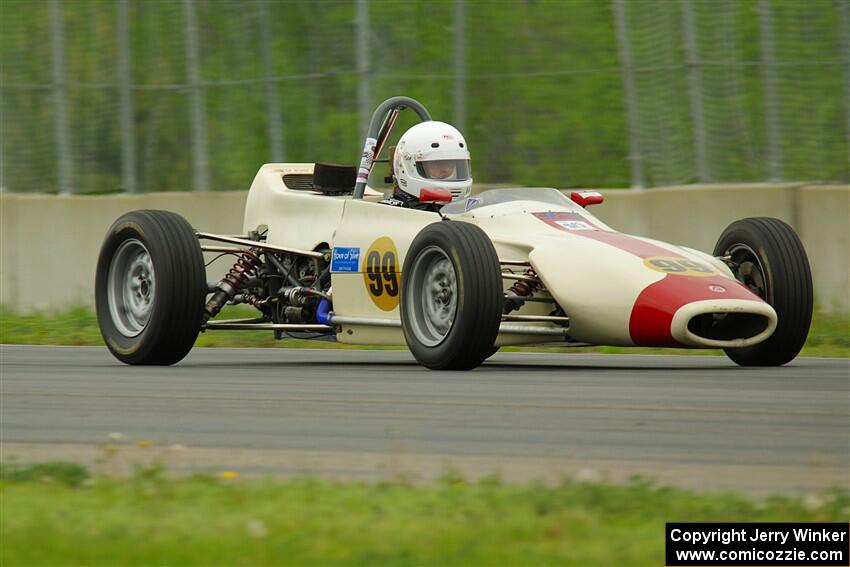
x=455, y=346
x=131, y=349
x=447, y=346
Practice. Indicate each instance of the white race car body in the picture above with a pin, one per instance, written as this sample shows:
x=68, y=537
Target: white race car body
x=615, y=288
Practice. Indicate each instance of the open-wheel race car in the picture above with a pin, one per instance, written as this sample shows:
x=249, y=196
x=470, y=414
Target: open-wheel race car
x=321, y=257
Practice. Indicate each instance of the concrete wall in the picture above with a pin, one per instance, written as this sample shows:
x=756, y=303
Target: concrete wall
x=824, y=226
x=49, y=244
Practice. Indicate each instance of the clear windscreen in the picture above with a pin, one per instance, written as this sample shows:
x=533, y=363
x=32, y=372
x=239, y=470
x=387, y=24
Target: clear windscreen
x=545, y=196
x=445, y=169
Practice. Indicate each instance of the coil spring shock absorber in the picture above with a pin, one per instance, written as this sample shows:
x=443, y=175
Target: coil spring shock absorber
x=245, y=268
x=514, y=297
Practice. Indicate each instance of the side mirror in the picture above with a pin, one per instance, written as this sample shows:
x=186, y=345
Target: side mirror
x=586, y=198
x=434, y=196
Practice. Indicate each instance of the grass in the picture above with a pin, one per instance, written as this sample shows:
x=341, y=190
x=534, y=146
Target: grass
x=829, y=335
x=50, y=517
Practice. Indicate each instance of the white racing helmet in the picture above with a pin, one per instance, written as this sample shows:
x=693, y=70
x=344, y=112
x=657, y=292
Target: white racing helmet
x=433, y=155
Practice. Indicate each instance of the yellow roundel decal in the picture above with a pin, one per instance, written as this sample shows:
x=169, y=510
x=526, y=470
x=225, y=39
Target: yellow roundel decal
x=678, y=266
x=381, y=273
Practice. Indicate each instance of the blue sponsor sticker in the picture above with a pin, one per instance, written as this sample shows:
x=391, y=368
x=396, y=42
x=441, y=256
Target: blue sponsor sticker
x=345, y=259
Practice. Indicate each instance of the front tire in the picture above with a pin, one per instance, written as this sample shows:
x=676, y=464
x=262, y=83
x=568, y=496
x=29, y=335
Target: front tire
x=768, y=257
x=451, y=296
x=150, y=288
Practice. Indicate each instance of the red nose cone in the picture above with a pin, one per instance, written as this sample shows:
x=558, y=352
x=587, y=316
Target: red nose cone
x=434, y=196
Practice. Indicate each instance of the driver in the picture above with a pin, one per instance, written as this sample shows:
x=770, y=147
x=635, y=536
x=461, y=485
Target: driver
x=430, y=156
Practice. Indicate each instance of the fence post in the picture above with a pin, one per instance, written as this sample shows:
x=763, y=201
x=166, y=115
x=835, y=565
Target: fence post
x=460, y=66
x=844, y=19
x=2, y=151
x=197, y=103
x=632, y=110
x=274, y=121
x=312, y=138
x=60, y=98
x=771, y=108
x=364, y=94
x=125, y=94
x=693, y=63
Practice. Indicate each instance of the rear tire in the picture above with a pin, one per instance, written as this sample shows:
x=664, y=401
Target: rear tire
x=150, y=288
x=769, y=258
x=451, y=296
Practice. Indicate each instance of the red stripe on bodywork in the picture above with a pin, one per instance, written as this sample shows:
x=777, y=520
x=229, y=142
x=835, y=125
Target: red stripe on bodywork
x=630, y=244
x=623, y=242
x=652, y=313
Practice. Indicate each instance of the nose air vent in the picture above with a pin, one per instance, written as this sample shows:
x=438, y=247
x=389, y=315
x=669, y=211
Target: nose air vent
x=727, y=326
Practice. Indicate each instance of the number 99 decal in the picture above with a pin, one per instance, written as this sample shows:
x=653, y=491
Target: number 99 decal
x=381, y=274
x=678, y=266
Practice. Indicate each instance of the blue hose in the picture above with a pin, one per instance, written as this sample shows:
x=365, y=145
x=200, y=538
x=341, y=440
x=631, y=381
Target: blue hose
x=323, y=313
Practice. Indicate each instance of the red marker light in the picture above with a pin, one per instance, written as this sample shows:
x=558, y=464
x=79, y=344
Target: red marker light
x=585, y=198
x=434, y=196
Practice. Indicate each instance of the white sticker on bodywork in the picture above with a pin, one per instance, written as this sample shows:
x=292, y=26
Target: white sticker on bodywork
x=366, y=159
x=575, y=225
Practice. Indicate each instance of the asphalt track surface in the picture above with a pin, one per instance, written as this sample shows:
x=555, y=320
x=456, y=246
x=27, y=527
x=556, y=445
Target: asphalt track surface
x=693, y=421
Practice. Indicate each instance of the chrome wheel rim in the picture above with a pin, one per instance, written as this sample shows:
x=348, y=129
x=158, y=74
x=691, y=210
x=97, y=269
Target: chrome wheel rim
x=432, y=296
x=131, y=288
x=748, y=269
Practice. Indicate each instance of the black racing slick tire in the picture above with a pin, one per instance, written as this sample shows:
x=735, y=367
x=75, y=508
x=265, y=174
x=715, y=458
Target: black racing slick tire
x=150, y=288
x=766, y=255
x=451, y=296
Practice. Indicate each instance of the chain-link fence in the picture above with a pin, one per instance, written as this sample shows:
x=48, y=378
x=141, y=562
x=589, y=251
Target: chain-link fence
x=161, y=95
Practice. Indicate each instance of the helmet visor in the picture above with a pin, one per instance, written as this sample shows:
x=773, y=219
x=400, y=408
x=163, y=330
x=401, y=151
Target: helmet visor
x=445, y=169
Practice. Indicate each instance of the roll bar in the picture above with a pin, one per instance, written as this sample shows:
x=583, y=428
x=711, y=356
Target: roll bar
x=379, y=130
